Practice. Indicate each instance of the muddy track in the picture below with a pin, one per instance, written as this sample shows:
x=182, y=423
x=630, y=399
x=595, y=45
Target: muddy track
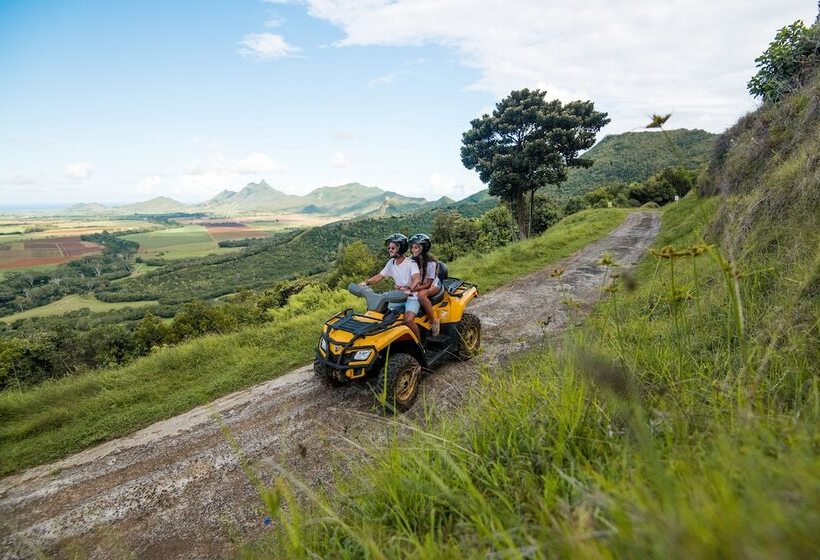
x=177, y=489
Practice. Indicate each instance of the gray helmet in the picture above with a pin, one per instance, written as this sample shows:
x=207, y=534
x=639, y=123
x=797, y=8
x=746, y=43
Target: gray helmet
x=399, y=239
x=423, y=240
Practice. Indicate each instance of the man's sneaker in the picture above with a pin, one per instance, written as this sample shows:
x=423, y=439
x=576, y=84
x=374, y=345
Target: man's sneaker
x=435, y=329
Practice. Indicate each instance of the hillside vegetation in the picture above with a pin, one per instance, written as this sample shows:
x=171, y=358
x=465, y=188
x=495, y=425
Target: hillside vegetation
x=681, y=422
x=635, y=156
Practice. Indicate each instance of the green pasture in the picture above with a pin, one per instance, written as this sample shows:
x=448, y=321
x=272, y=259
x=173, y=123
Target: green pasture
x=177, y=243
x=71, y=303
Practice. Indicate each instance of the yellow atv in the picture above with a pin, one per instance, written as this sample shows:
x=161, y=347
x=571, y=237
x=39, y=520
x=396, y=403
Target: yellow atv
x=378, y=347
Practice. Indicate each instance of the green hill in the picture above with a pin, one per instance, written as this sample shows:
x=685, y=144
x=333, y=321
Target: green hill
x=158, y=205
x=636, y=156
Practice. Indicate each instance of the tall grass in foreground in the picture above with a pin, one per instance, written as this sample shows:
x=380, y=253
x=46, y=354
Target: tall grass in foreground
x=56, y=418
x=680, y=422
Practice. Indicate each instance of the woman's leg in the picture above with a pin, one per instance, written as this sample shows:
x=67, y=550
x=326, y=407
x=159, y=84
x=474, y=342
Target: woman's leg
x=424, y=300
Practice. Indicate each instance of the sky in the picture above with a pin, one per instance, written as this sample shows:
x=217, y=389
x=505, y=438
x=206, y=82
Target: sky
x=117, y=101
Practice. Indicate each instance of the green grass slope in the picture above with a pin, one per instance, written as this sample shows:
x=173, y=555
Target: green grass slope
x=56, y=418
x=636, y=156
x=680, y=422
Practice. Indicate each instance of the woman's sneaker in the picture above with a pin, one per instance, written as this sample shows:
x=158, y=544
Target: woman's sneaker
x=435, y=329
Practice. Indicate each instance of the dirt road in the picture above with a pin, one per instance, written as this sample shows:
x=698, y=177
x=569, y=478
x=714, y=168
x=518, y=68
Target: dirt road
x=177, y=489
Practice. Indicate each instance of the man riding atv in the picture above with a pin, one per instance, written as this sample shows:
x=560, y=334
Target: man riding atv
x=382, y=347
x=405, y=274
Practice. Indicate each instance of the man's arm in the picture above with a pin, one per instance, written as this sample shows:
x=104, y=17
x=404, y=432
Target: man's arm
x=372, y=280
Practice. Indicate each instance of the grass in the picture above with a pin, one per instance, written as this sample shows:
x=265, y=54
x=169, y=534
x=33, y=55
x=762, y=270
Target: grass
x=670, y=426
x=73, y=303
x=178, y=243
x=494, y=269
x=57, y=418
x=35, y=430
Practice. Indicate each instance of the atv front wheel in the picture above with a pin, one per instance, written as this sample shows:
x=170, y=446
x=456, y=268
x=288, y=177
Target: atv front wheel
x=325, y=374
x=397, y=385
x=468, y=331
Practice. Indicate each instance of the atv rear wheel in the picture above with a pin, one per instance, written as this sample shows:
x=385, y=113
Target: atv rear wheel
x=468, y=331
x=397, y=385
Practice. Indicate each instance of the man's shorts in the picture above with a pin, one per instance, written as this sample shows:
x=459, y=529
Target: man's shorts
x=412, y=305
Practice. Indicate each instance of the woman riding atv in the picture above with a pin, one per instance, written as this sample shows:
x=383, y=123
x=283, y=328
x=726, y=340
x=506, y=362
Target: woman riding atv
x=429, y=284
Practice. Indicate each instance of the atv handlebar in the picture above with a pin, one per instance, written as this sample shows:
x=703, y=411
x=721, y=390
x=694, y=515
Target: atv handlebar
x=376, y=302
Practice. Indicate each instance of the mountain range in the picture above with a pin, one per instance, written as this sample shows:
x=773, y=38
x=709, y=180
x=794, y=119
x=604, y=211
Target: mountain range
x=627, y=157
x=344, y=201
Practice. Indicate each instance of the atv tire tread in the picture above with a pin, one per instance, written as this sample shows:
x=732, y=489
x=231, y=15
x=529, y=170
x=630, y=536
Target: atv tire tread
x=468, y=331
x=399, y=382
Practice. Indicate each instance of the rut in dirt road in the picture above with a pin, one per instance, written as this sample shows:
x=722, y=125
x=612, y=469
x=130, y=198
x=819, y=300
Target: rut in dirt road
x=177, y=489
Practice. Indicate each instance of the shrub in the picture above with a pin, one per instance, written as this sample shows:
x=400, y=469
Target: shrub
x=784, y=65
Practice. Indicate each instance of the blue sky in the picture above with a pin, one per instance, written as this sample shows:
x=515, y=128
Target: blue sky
x=116, y=101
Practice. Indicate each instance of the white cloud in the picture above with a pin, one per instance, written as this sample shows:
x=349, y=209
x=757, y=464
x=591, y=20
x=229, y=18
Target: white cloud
x=383, y=79
x=79, y=170
x=632, y=57
x=148, y=185
x=205, y=178
x=255, y=163
x=20, y=179
x=344, y=135
x=265, y=46
x=339, y=160
x=440, y=183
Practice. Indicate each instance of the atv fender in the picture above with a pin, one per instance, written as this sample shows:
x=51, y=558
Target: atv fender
x=456, y=305
x=407, y=346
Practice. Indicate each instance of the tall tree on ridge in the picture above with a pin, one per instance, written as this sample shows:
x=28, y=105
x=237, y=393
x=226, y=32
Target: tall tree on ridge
x=529, y=142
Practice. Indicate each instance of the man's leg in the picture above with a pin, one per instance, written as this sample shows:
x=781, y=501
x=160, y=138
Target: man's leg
x=410, y=321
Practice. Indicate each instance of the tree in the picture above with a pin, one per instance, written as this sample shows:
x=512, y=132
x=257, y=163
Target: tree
x=545, y=213
x=528, y=143
x=496, y=228
x=355, y=263
x=795, y=49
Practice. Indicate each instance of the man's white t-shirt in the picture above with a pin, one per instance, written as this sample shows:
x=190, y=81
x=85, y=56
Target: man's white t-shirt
x=402, y=274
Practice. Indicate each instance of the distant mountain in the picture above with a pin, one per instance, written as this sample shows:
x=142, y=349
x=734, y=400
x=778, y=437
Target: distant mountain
x=158, y=205
x=470, y=207
x=636, y=156
x=352, y=199
x=87, y=208
x=254, y=198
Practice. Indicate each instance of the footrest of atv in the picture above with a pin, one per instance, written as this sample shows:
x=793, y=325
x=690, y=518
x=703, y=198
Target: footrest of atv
x=440, y=339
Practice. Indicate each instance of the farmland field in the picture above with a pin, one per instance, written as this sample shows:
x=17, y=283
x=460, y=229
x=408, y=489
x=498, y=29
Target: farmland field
x=14, y=228
x=224, y=231
x=48, y=251
x=73, y=303
x=40, y=243
x=177, y=243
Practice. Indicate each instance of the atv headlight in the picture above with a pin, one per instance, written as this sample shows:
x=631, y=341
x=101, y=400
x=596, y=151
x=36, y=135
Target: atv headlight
x=362, y=355
x=323, y=344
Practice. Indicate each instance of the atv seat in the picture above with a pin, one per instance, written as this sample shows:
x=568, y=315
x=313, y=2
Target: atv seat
x=376, y=302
